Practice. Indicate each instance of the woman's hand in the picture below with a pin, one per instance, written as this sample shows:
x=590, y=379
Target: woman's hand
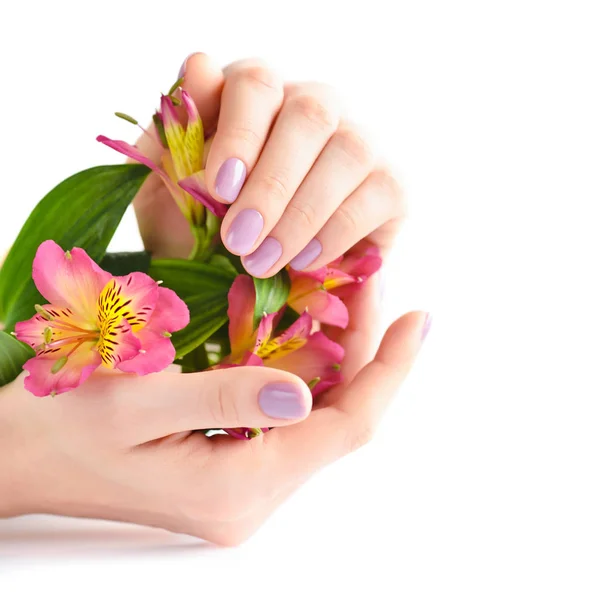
x=122, y=448
x=303, y=184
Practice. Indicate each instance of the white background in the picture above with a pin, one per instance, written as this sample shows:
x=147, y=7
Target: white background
x=483, y=481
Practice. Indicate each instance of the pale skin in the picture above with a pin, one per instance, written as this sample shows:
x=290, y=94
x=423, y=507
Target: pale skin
x=121, y=447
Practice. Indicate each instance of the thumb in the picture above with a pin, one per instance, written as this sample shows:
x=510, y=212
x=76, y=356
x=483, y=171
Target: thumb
x=166, y=403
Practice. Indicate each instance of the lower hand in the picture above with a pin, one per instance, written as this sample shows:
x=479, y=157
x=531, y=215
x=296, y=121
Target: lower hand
x=124, y=448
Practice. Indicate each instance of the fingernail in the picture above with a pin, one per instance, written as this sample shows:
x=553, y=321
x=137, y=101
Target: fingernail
x=308, y=255
x=282, y=401
x=230, y=179
x=184, y=65
x=426, y=327
x=244, y=231
x=265, y=256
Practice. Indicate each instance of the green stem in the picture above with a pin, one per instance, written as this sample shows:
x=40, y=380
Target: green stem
x=198, y=253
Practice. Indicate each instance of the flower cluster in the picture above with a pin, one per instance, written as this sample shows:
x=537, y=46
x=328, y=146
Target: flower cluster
x=95, y=320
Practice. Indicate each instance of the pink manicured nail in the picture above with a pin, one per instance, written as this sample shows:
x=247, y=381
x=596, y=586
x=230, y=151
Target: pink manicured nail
x=426, y=327
x=265, y=256
x=230, y=179
x=312, y=250
x=282, y=401
x=244, y=231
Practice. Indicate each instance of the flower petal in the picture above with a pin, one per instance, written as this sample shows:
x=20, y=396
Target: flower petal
x=54, y=335
x=132, y=297
x=129, y=151
x=170, y=314
x=69, y=279
x=118, y=344
x=195, y=186
x=319, y=358
x=135, y=154
x=362, y=261
x=335, y=278
x=194, y=133
x=175, y=135
x=307, y=294
x=157, y=351
x=294, y=338
x=264, y=332
x=42, y=381
x=242, y=297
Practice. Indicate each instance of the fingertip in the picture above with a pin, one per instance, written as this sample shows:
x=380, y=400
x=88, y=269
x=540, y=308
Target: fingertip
x=203, y=80
x=287, y=400
x=404, y=337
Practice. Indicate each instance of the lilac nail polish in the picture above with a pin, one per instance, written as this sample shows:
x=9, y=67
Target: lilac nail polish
x=426, y=327
x=263, y=258
x=244, y=231
x=312, y=250
x=282, y=401
x=230, y=179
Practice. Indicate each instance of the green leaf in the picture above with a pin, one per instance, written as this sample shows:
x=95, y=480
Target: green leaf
x=82, y=211
x=223, y=263
x=13, y=355
x=124, y=263
x=271, y=294
x=204, y=289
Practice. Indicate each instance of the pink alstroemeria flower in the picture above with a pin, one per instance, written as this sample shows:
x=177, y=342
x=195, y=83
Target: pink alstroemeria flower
x=182, y=159
x=311, y=356
x=94, y=319
x=311, y=291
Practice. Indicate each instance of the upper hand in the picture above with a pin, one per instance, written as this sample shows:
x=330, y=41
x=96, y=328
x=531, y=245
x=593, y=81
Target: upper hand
x=303, y=183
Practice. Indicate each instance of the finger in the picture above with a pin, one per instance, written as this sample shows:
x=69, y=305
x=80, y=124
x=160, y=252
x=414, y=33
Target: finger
x=158, y=405
x=362, y=335
x=163, y=228
x=373, y=211
x=203, y=80
x=342, y=166
x=307, y=120
x=351, y=421
x=252, y=96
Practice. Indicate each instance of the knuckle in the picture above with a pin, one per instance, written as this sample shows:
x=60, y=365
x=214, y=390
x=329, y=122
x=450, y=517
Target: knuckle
x=386, y=182
x=303, y=212
x=275, y=185
x=223, y=408
x=348, y=216
x=246, y=135
x=260, y=77
x=359, y=436
x=312, y=110
x=354, y=146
